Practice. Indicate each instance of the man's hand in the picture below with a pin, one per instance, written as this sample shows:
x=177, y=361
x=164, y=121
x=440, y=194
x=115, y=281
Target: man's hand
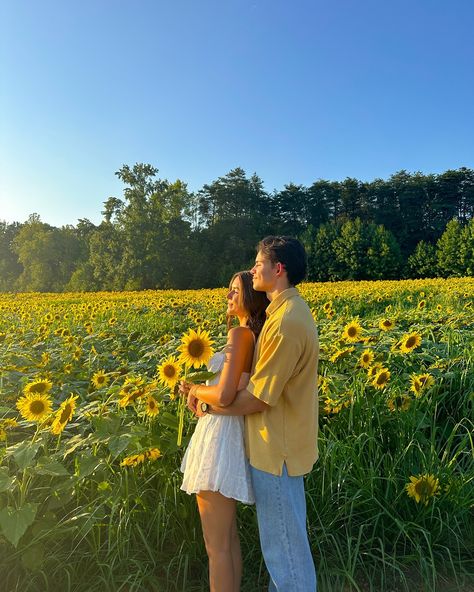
x=193, y=403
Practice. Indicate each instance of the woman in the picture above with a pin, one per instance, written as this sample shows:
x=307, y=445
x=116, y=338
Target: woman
x=215, y=466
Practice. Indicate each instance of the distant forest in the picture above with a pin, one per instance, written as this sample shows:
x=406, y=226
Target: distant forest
x=160, y=235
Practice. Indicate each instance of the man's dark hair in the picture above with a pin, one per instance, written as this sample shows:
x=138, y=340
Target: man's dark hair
x=289, y=252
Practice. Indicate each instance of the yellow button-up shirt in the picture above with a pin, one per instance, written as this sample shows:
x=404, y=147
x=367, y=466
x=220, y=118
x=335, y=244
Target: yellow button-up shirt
x=285, y=376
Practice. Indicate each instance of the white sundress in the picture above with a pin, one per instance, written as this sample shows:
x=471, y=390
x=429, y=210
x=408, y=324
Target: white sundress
x=215, y=458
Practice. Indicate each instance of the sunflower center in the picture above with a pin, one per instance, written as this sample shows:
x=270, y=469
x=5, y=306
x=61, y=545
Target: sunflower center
x=37, y=407
x=352, y=331
x=410, y=342
x=169, y=371
x=382, y=378
x=65, y=414
x=387, y=323
x=424, y=488
x=196, y=348
x=39, y=388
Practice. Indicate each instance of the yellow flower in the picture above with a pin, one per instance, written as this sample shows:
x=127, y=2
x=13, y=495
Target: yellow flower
x=352, y=331
x=169, y=372
x=420, y=382
x=133, y=460
x=422, y=488
x=409, y=342
x=153, y=454
x=381, y=378
x=366, y=358
x=421, y=304
x=100, y=379
x=399, y=403
x=196, y=348
x=152, y=408
x=386, y=324
x=38, y=387
x=64, y=414
x=340, y=353
x=34, y=407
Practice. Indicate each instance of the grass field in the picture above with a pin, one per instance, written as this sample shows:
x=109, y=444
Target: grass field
x=89, y=479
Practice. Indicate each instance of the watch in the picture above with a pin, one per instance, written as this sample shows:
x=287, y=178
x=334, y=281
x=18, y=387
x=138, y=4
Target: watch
x=204, y=407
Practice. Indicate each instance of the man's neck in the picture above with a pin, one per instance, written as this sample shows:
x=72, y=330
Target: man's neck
x=277, y=291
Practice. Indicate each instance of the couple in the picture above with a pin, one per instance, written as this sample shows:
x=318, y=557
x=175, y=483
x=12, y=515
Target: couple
x=271, y=381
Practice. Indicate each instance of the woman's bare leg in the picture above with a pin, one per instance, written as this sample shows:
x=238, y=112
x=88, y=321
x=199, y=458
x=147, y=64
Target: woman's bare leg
x=217, y=518
x=236, y=556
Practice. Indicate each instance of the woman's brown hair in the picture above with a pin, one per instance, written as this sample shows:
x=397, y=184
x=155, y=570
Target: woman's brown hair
x=253, y=302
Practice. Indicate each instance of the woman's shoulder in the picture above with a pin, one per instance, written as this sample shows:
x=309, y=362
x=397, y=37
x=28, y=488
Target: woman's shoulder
x=240, y=333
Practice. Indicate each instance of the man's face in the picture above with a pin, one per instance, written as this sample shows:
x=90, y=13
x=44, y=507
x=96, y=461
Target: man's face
x=264, y=274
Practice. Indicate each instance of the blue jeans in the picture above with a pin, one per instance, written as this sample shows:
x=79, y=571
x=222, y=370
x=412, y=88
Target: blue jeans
x=281, y=515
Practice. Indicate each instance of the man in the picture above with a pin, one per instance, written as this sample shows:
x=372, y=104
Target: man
x=281, y=408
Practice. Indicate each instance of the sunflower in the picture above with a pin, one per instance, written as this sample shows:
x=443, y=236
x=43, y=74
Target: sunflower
x=381, y=378
x=169, y=372
x=327, y=306
x=387, y=324
x=133, y=460
x=34, y=407
x=420, y=382
x=100, y=379
x=340, y=353
x=409, y=342
x=372, y=371
x=196, y=348
x=399, y=403
x=151, y=406
x=352, y=331
x=366, y=358
x=422, y=488
x=153, y=453
x=38, y=387
x=64, y=414
x=421, y=304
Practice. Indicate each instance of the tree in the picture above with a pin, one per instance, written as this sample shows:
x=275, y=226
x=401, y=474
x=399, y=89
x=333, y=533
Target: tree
x=48, y=255
x=466, y=249
x=422, y=263
x=10, y=267
x=447, y=251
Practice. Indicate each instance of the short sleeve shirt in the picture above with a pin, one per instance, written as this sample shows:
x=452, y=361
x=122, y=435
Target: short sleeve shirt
x=285, y=376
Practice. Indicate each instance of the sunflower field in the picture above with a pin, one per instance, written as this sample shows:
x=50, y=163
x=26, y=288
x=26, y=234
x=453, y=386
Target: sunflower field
x=92, y=433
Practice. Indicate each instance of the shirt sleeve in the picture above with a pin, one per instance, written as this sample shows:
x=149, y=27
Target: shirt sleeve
x=276, y=364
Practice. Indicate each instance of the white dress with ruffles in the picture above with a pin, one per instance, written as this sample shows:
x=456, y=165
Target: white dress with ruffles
x=215, y=458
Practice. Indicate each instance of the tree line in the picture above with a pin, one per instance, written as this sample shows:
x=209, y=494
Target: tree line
x=159, y=234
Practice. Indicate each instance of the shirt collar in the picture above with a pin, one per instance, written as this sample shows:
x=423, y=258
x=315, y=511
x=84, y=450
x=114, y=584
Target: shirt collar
x=280, y=299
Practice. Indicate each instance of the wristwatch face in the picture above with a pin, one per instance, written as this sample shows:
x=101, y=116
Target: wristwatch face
x=204, y=407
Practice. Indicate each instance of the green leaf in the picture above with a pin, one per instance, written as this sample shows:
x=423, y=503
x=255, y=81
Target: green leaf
x=32, y=558
x=6, y=482
x=86, y=465
x=117, y=444
x=49, y=466
x=106, y=426
x=24, y=453
x=169, y=420
x=14, y=522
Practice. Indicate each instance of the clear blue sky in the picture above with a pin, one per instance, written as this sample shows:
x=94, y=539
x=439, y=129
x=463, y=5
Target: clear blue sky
x=294, y=90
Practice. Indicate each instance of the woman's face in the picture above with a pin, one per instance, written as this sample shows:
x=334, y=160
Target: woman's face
x=234, y=297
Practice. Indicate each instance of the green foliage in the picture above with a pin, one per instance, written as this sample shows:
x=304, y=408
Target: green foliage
x=422, y=263
x=449, y=263
x=160, y=235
